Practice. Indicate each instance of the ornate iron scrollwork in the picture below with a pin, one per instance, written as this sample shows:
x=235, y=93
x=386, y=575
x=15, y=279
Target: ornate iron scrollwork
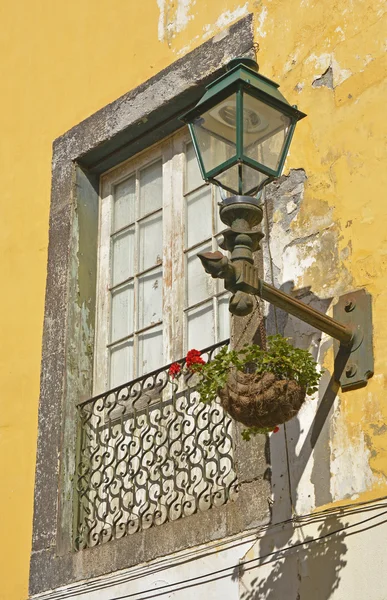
x=150, y=452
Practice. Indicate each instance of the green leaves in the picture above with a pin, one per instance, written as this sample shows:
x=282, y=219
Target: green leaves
x=251, y=431
x=280, y=358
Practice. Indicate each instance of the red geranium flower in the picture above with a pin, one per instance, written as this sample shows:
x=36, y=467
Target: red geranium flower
x=174, y=370
x=193, y=358
x=276, y=429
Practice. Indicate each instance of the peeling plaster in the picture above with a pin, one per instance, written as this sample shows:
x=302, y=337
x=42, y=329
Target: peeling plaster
x=287, y=189
x=314, y=259
x=339, y=74
x=366, y=60
x=261, y=21
x=292, y=60
x=291, y=207
x=227, y=18
x=297, y=260
x=379, y=429
x=303, y=489
x=182, y=15
x=350, y=469
x=161, y=23
x=305, y=246
x=331, y=74
x=341, y=32
x=222, y=22
x=326, y=79
x=321, y=63
x=173, y=18
x=186, y=49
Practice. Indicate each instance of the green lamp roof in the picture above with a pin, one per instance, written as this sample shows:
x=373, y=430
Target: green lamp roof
x=243, y=72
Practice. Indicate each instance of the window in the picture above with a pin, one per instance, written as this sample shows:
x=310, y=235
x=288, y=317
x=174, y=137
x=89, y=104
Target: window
x=149, y=451
x=154, y=299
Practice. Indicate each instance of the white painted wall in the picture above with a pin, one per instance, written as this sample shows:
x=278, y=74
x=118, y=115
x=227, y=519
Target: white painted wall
x=146, y=581
x=347, y=564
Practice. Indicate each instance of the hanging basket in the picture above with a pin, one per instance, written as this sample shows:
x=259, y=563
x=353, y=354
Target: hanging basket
x=261, y=400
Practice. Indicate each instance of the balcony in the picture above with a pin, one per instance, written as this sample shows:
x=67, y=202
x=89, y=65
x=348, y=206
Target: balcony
x=150, y=452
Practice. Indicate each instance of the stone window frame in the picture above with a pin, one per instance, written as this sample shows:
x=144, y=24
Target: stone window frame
x=118, y=131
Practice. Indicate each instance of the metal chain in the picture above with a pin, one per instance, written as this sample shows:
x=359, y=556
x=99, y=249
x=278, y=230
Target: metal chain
x=257, y=310
x=245, y=327
x=262, y=329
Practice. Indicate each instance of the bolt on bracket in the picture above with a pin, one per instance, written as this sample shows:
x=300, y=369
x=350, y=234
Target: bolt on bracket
x=355, y=311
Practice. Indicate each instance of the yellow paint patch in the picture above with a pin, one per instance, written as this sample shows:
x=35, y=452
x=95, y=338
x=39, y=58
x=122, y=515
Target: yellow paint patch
x=62, y=61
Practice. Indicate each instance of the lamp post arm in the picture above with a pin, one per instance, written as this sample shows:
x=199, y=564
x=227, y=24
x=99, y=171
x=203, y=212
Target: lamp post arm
x=241, y=277
x=353, y=328
x=335, y=329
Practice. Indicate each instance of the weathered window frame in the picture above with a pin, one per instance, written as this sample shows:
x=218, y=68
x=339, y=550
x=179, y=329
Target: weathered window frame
x=135, y=121
x=178, y=256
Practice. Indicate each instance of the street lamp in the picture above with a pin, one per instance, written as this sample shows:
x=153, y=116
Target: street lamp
x=241, y=130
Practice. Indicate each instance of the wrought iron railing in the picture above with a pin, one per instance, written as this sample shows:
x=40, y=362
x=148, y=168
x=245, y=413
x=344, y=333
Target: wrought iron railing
x=150, y=452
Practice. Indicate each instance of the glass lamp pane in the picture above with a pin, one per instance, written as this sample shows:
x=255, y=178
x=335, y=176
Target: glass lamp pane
x=250, y=179
x=215, y=133
x=265, y=130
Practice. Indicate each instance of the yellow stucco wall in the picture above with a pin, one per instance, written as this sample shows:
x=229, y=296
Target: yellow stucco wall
x=62, y=61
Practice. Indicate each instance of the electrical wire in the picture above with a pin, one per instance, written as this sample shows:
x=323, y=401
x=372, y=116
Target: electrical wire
x=298, y=521
x=223, y=573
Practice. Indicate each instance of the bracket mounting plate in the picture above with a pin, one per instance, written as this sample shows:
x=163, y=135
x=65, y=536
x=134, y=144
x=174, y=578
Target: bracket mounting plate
x=354, y=366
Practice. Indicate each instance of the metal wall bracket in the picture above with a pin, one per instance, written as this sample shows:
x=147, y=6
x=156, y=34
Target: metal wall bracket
x=355, y=311
x=351, y=324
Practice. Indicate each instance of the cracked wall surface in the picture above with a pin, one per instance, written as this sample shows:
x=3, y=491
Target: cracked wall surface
x=61, y=62
x=331, y=239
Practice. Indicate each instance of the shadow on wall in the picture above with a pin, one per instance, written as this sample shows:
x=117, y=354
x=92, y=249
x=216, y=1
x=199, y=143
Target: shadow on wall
x=299, y=565
x=305, y=336
x=310, y=571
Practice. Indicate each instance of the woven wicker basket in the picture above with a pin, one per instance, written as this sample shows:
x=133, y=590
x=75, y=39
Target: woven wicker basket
x=261, y=400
